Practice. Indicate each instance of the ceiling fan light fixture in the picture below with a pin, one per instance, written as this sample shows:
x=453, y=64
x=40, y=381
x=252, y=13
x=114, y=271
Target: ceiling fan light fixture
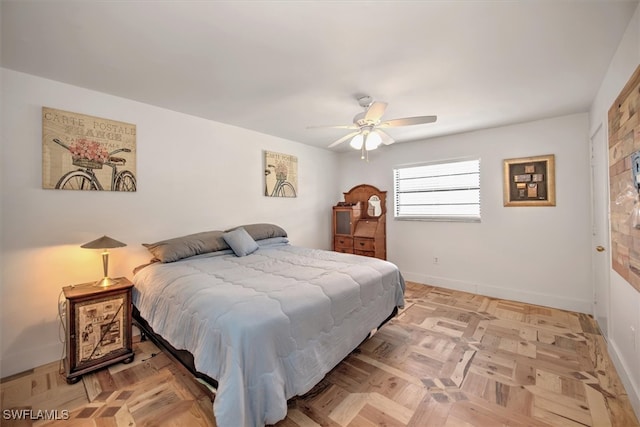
x=373, y=141
x=356, y=142
x=367, y=125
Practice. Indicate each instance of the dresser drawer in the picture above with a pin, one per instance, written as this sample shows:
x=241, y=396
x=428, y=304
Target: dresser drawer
x=344, y=250
x=364, y=253
x=364, y=244
x=343, y=242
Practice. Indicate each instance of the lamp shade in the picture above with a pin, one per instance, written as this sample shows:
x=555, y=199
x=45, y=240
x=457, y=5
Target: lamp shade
x=373, y=141
x=104, y=242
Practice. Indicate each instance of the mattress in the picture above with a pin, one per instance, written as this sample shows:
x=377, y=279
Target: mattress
x=267, y=326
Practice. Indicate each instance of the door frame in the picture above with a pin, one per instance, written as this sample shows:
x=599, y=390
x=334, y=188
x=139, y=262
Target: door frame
x=600, y=232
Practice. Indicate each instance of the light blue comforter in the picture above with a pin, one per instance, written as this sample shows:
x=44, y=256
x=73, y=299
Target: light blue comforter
x=270, y=325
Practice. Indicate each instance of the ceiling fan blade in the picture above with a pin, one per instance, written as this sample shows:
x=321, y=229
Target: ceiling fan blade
x=375, y=111
x=344, y=138
x=335, y=127
x=385, y=137
x=408, y=121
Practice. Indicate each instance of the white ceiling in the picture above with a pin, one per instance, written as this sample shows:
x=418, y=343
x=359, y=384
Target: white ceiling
x=279, y=66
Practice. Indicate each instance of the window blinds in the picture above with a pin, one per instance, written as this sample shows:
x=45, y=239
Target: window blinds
x=438, y=191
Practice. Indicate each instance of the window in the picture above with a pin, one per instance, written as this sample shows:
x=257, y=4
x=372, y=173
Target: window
x=445, y=191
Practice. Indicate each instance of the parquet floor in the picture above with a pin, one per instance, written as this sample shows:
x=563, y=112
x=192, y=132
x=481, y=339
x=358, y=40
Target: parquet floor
x=449, y=359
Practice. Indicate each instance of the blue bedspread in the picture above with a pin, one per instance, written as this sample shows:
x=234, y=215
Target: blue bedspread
x=270, y=325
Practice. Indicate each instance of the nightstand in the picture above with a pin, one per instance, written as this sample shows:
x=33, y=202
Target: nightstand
x=98, y=327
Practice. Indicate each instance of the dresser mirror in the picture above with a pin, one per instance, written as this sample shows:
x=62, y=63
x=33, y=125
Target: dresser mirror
x=374, y=209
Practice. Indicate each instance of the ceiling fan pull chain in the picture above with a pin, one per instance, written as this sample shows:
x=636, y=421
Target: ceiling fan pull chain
x=364, y=153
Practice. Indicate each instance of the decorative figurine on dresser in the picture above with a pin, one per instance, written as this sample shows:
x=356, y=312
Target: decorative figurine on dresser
x=359, y=223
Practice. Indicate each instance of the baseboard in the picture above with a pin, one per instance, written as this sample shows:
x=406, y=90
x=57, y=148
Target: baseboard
x=28, y=360
x=548, y=300
x=625, y=374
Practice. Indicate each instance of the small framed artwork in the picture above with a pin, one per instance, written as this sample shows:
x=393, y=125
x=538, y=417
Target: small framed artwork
x=530, y=181
x=280, y=175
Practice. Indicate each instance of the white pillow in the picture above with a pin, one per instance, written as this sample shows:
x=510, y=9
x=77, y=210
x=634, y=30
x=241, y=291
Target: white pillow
x=240, y=241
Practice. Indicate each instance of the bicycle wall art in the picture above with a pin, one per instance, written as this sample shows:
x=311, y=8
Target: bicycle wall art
x=280, y=175
x=81, y=152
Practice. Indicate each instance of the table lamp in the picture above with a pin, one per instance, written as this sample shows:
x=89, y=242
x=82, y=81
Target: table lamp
x=104, y=243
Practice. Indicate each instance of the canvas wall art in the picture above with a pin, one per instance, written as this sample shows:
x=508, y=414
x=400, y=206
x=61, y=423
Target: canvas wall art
x=280, y=175
x=624, y=179
x=81, y=152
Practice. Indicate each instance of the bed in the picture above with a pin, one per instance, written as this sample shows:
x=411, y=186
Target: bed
x=259, y=318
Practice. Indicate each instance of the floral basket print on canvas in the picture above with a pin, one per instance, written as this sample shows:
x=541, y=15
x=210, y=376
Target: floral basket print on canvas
x=88, y=154
x=76, y=148
x=280, y=174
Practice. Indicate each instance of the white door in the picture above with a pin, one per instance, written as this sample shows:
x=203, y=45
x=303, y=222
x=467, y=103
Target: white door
x=601, y=253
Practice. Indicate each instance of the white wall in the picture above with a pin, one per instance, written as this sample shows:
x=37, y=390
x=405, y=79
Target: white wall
x=540, y=255
x=193, y=175
x=624, y=300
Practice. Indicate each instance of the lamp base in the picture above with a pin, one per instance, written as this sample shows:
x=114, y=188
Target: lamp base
x=107, y=281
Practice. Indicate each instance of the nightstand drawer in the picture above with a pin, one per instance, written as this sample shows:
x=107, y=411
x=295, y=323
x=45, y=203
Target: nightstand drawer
x=364, y=244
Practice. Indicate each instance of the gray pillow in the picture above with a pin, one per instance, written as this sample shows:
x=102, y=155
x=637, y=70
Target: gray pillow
x=272, y=241
x=240, y=241
x=185, y=246
x=262, y=231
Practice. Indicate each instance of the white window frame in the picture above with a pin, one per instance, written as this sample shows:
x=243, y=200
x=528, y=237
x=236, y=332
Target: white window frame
x=466, y=192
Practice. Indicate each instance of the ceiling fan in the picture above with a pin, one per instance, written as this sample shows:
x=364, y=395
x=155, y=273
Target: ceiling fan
x=369, y=133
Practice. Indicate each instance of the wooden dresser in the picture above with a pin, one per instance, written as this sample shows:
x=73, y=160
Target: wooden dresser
x=359, y=223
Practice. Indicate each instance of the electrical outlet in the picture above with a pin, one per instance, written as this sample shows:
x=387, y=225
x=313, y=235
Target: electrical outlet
x=435, y=260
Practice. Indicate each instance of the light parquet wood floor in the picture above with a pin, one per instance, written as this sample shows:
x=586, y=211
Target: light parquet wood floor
x=449, y=359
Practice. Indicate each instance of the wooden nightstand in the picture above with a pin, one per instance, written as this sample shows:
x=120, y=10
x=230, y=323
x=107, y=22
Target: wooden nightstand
x=98, y=327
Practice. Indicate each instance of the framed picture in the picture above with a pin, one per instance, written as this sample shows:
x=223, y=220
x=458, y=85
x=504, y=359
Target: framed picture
x=530, y=181
x=81, y=152
x=280, y=175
